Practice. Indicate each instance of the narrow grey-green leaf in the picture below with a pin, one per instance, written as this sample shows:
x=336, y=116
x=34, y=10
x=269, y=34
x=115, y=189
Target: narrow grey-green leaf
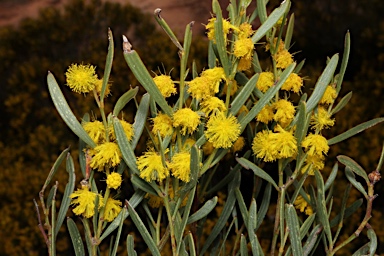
x=134, y=201
x=373, y=241
x=66, y=201
x=351, y=177
x=142, y=75
x=55, y=167
x=322, y=83
x=143, y=230
x=262, y=10
x=243, y=246
x=211, y=55
x=348, y=212
x=118, y=235
x=242, y=206
x=289, y=33
x=243, y=95
x=302, y=123
x=255, y=245
x=355, y=167
x=65, y=111
x=294, y=230
x=143, y=185
x=87, y=234
x=344, y=62
x=264, y=205
x=124, y=99
x=343, y=102
x=185, y=218
x=355, y=130
x=203, y=211
x=108, y=64
x=77, y=242
x=272, y=19
x=140, y=119
x=130, y=245
x=362, y=250
x=312, y=240
x=256, y=170
x=124, y=145
x=331, y=177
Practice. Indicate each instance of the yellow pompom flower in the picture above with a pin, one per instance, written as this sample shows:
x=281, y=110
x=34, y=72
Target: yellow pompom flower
x=265, y=81
x=165, y=85
x=233, y=89
x=286, y=143
x=215, y=76
x=107, y=154
x=81, y=78
x=180, y=166
x=315, y=162
x=162, y=124
x=151, y=167
x=315, y=145
x=95, y=130
x=188, y=144
x=263, y=146
x=211, y=104
x=199, y=88
x=266, y=114
x=99, y=86
x=244, y=64
x=85, y=201
x=114, y=180
x=222, y=131
x=321, y=119
x=283, y=59
x=243, y=47
x=303, y=205
x=112, y=209
x=186, y=119
x=245, y=30
x=329, y=96
x=127, y=127
x=293, y=83
x=238, y=145
x=284, y=112
x=211, y=28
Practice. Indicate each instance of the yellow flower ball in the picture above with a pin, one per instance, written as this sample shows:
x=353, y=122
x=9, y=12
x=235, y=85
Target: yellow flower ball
x=165, y=85
x=265, y=81
x=81, y=78
x=186, y=119
x=114, y=180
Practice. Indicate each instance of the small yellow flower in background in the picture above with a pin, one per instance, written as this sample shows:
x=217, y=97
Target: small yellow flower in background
x=162, y=124
x=186, y=119
x=99, y=86
x=107, y=154
x=245, y=30
x=222, y=131
x=244, y=64
x=266, y=114
x=321, y=119
x=283, y=59
x=188, y=144
x=284, y=112
x=151, y=167
x=208, y=148
x=215, y=76
x=112, y=209
x=199, y=88
x=211, y=28
x=286, y=142
x=234, y=87
x=85, y=201
x=303, y=205
x=165, y=85
x=243, y=48
x=315, y=162
x=265, y=81
x=238, y=145
x=293, y=83
x=81, y=78
x=280, y=48
x=211, y=104
x=315, y=145
x=114, y=180
x=154, y=201
x=263, y=146
x=95, y=130
x=329, y=95
x=127, y=127
x=180, y=166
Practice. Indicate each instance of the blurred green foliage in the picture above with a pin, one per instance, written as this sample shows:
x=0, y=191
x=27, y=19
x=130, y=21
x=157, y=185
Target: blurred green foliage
x=32, y=134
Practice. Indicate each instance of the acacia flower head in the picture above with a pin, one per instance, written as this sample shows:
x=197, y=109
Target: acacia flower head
x=329, y=95
x=186, y=119
x=233, y=88
x=302, y=205
x=283, y=59
x=85, y=201
x=238, y=145
x=266, y=114
x=284, y=112
x=315, y=145
x=114, y=180
x=199, y=88
x=151, y=167
x=212, y=103
x=265, y=81
x=227, y=26
x=215, y=76
x=293, y=83
x=312, y=163
x=264, y=146
x=127, y=127
x=222, y=131
x=99, y=86
x=95, y=130
x=162, y=124
x=107, y=154
x=286, y=142
x=321, y=119
x=243, y=48
x=244, y=64
x=81, y=78
x=245, y=30
x=154, y=201
x=165, y=85
x=112, y=209
x=180, y=166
